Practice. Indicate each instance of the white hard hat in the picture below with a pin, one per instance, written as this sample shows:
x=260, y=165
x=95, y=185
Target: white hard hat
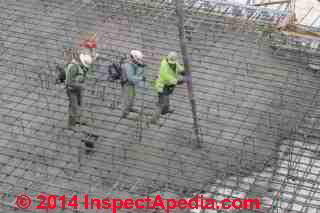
x=137, y=56
x=172, y=57
x=86, y=59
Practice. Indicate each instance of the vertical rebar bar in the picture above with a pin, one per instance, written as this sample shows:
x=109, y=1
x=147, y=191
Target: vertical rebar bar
x=179, y=11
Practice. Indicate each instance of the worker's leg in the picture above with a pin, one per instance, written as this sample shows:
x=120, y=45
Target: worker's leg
x=165, y=104
x=166, y=100
x=128, y=97
x=79, y=94
x=124, y=100
x=132, y=97
x=159, y=109
x=72, y=107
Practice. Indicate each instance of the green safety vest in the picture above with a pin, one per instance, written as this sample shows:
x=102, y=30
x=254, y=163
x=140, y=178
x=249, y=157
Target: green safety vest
x=167, y=76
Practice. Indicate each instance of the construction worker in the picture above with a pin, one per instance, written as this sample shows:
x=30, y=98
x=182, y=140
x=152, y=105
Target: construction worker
x=76, y=71
x=88, y=47
x=169, y=76
x=133, y=75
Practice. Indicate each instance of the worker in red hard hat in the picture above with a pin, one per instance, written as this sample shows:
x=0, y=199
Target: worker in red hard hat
x=76, y=73
x=88, y=47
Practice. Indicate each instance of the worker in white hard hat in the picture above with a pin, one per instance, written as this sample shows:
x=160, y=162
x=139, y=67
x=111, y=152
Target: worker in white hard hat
x=169, y=76
x=133, y=71
x=75, y=78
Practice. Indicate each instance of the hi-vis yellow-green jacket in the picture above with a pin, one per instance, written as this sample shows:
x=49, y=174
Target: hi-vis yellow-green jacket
x=167, y=76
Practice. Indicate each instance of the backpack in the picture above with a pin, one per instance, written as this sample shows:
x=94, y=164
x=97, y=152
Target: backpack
x=116, y=72
x=61, y=75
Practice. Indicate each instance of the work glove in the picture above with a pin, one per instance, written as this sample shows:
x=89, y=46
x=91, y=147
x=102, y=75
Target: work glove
x=183, y=73
x=160, y=90
x=180, y=82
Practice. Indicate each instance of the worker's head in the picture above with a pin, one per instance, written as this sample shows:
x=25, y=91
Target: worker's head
x=86, y=59
x=172, y=58
x=88, y=40
x=136, y=56
x=90, y=44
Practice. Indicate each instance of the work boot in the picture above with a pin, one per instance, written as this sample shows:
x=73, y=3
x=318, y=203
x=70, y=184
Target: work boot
x=134, y=110
x=152, y=121
x=167, y=111
x=81, y=123
x=71, y=126
x=72, y=129
x=89, y=147
x=89, y=144
x=124, y=114
x=71, y=122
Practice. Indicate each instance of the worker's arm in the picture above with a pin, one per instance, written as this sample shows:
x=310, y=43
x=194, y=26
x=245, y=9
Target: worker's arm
x=180, y=69
x=71, y=74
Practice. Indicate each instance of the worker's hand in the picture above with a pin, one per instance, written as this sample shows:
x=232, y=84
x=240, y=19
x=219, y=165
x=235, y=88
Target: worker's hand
x=160, y=90
x=180, y=82
x=80, y=78
x=145, y=87
x=173, y=82
x=183, y=73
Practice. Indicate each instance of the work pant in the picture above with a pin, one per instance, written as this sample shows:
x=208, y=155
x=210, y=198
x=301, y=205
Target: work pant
x=75, y=102
x=163, y=105
x=128, y=94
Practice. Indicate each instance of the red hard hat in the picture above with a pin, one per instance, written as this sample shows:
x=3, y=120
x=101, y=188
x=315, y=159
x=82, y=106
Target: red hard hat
x=89, y=44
